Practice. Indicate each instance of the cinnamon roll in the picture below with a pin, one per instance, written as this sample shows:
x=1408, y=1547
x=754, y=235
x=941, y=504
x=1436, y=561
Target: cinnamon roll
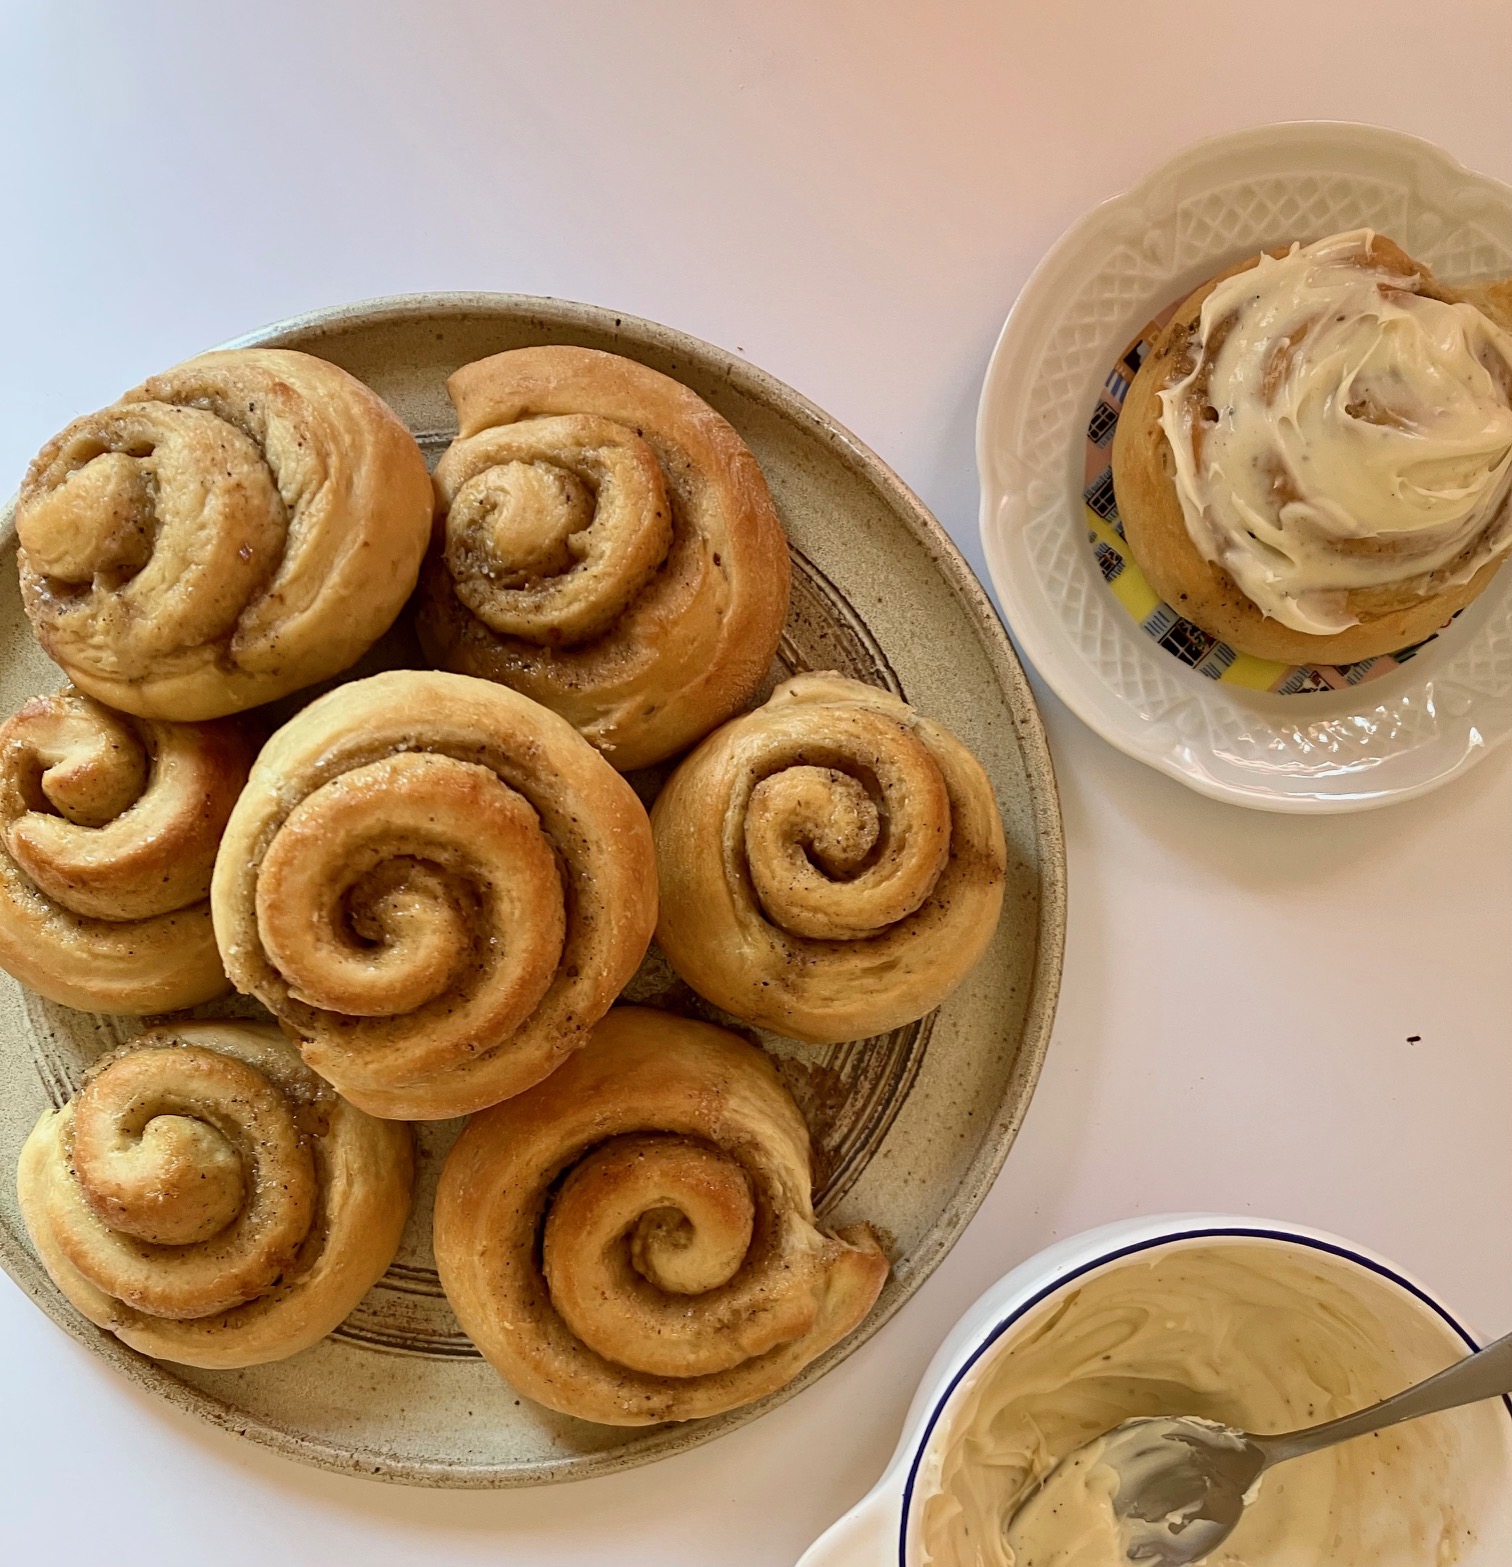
x=437, y=886
x=634, y=1239
x=233, y=529
x=1314, y=463
x=207, y=1199
x=831, y=864
x=607, y=545
x=108, y=831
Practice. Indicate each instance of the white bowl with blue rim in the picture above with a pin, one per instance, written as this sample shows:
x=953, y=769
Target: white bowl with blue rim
x=881, y=1529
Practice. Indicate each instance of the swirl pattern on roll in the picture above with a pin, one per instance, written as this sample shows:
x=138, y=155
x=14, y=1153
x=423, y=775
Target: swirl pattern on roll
x=634, y=1240
x=607, y=545
x=237, y=527
x=109, y=827
x=209, y=1200
x=831, y=864
x=437, y=886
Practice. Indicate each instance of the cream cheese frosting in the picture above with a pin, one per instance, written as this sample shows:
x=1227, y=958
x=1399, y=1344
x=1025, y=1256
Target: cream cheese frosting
x=1071, y=1519
x=1339, y=431
x=1255, y=1334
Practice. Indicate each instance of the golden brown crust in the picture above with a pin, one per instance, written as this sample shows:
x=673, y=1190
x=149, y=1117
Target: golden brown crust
x=1493, y=299
x=207, y=1199
x=831, y=864
x=607, y=545
x=238, y=527
x=109, y=827
x=634, y=1240
x=437, y=886
x=1155, y=528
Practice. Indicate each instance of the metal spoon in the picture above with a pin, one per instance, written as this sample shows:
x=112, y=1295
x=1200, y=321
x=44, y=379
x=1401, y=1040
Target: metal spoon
x=1183, y=1483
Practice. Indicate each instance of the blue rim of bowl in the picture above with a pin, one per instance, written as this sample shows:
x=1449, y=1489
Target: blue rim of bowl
x=1223, y=1232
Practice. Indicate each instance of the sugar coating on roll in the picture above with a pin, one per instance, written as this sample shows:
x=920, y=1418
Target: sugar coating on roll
x=607, y=545
x=831, y=864
x=109, y=827
x=634, y=1240
x=209, y=1200
x=437, y=886
x=238, y=527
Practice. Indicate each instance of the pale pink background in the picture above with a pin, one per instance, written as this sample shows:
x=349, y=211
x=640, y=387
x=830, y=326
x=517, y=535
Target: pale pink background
x=849, y=194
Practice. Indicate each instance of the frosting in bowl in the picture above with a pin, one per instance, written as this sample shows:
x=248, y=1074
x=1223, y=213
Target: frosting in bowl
x=1339, y=430
x=1254, y=1333
x=1071, y=1519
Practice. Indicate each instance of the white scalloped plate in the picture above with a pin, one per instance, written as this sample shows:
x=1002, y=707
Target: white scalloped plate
x=1215, y=204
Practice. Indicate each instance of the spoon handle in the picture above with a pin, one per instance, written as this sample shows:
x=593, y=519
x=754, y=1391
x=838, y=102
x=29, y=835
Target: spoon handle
x=1485, y=1374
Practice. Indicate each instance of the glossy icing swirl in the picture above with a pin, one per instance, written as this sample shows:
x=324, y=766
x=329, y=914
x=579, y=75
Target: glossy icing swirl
x=1340, y=430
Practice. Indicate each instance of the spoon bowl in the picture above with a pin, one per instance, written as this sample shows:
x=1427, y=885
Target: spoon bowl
x=1170, y=1489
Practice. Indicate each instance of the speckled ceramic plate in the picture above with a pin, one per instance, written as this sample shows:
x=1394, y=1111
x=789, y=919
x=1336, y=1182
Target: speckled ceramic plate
x=910, y=1128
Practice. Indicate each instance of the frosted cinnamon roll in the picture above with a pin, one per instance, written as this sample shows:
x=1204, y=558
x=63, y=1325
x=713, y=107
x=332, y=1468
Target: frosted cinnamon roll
x=207, y=1199
x=1314, y=463
x=606, y=544
x=238, y=527
x=831, y=864
x=437, y=886
x=634, y=1239
x=108, y=832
